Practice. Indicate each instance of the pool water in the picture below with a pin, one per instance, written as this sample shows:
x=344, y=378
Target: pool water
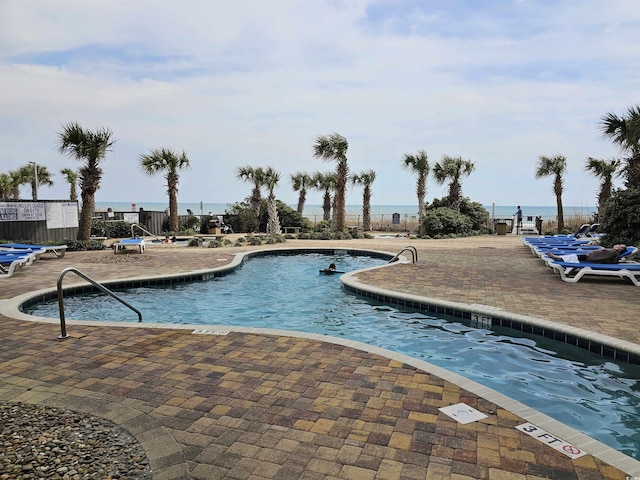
x=589, y=393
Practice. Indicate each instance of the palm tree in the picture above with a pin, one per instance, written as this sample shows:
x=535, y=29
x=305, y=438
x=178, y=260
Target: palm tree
x=453, y=168
x=301, y=181
x=271, y=179
x=625, y=132
x=365, y=178
x=91, y=147
x=8, y=187
x=605, y=171
x=170, y=163
x=72, y=177
x=326, y=183
x=10, y=184
x=334, y=147
x=554, y=166
x=256, y=176
x=35, y=173
x=419, y=165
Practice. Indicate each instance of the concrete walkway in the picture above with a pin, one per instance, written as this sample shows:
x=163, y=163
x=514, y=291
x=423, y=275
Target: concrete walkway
x=269, y=405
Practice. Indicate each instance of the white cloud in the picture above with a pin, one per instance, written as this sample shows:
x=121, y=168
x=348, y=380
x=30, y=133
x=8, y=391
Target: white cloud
x=254, y=83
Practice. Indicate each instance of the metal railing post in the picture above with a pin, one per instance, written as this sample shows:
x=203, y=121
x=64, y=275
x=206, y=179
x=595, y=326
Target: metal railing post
x=102, y=288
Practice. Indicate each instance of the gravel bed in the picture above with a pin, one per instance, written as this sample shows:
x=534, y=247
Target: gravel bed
x=118, y=259
x=43, y=442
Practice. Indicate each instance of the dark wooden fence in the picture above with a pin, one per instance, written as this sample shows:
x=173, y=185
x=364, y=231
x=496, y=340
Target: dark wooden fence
x=38, y=222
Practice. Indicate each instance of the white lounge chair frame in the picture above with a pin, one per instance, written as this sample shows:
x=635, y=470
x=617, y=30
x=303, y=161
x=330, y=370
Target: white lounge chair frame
x=129, y=242
x=18, y=262
x=572, y=273
x=58, y=250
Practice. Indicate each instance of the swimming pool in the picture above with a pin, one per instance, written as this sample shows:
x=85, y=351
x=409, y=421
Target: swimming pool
x=590, y=393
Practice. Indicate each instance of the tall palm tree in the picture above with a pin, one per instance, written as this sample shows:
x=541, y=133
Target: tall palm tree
x=419, y=165
x=254, y=175
x=625, y=132
x=35, y=173
x=365, y=178
x=453, y=168
x=72, y=177
x=91, y=147
x=271, y=179
x=170, y=163
x=325, y=182
x=334, y=147
x=301, y=181
x=605, y=170
x=555, y=166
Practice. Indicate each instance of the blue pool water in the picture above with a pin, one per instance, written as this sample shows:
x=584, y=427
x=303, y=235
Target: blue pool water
x=594, y=395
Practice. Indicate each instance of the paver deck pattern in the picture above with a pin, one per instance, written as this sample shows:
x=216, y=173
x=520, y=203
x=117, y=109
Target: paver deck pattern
x=254, y=406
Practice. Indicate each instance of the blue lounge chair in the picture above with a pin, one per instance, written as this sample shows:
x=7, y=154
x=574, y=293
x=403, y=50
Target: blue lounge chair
x=57, y=250
x=573, y=272
x=129, y=242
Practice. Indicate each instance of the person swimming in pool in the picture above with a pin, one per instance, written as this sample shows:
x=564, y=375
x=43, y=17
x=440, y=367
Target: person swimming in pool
x=332, y=267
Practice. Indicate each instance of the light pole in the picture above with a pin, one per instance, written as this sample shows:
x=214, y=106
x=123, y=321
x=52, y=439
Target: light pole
x=35, y=176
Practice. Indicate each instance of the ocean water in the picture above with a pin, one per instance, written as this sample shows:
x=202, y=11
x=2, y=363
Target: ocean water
x=311, y=211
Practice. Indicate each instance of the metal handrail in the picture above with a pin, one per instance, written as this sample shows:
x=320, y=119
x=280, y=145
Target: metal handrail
x=408, y=248
x=102, y=288
x=143, y=231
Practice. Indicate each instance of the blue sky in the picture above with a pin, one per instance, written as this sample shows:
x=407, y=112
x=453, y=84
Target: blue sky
x=255, y=83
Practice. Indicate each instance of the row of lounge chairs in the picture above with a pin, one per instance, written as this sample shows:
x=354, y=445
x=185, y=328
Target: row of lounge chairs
x=14, y=256
x=573, y=272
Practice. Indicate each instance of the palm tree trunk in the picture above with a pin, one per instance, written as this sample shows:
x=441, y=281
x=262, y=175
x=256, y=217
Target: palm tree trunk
x=302, y=198
x=274, y=220
x=326, y=206
x=366, y=210
x=633, y=171
x=341, y=191
x=173, y=211
x=560, y=213
x=334, y=213
x=86, y=216
x=422, y=191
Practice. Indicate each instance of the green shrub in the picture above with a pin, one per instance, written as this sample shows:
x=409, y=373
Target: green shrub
x=241, y=218
x=192, y=223
x=117, y=229
x=444, y=221
x=82, y=245
x=323, y=235
x=620, y=218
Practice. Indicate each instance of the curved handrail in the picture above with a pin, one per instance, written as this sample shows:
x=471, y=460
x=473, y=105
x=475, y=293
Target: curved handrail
x=102, y=288
x=143, y=231
x=409, y=248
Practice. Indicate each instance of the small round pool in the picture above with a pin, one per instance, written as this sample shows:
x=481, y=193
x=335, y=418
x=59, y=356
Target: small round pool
x=592, y=394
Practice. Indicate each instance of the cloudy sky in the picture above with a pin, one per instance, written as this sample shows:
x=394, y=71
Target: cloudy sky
x=254, y=82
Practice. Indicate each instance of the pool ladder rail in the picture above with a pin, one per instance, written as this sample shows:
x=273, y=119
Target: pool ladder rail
x=102, y=288
x=144, y=230
x=409, y=248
